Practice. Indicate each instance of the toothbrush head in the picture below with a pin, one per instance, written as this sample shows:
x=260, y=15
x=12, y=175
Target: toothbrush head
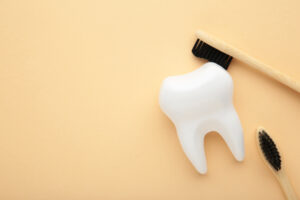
x=203, y=50
x=269, y=150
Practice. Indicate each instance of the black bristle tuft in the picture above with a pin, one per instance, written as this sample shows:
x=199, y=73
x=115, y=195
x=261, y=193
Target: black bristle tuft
x=269, y=150
x=203, y=50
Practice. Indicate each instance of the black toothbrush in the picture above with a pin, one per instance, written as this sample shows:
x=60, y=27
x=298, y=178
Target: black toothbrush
x=217, y=51
x=271, y=156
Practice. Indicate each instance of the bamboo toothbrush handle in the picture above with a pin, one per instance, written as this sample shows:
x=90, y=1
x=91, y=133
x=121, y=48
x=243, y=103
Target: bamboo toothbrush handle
x=252, y=62
x=286, y=185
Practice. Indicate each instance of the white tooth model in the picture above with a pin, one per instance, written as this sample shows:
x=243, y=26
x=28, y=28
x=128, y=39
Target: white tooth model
x=200, y=102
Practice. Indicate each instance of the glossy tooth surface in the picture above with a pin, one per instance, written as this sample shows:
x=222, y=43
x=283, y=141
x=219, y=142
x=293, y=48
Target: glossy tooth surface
x=200, y=102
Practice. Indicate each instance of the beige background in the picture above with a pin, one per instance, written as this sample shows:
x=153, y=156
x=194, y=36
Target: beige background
x=79, y=83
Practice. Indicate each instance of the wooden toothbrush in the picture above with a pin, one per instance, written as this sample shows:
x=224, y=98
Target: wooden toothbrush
x=269, y=152
x=214, y=50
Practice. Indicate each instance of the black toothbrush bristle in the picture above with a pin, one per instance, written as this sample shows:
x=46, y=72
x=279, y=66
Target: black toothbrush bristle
x=203, y=50
x=269, y=150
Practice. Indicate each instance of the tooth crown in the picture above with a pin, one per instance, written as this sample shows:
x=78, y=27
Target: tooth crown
x=200, y=102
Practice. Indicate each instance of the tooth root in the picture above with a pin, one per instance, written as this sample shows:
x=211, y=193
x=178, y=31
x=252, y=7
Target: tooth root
x=232, y=133
x=192, y=143
x=191, y=136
